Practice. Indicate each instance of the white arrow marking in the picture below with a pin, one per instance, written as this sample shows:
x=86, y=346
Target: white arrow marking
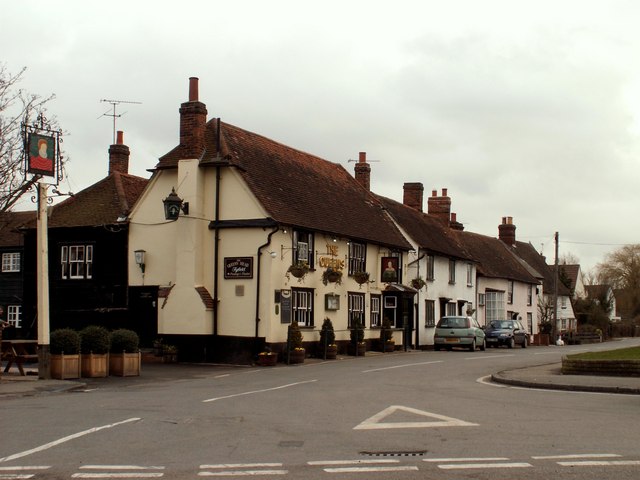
x=375, y=422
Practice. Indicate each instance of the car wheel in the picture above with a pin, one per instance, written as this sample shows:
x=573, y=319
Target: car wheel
x=472, y=347
x=524, y=342
x=512, y=343
x=483, y=346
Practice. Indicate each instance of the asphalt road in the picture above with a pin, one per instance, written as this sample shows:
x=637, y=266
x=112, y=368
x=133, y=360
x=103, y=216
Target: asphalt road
x=399, y=416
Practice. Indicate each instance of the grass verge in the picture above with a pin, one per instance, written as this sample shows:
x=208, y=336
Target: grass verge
x=632, y=353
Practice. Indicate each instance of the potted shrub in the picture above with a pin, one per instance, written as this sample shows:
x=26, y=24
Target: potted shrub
x=387, y=344
x=357, y=346
x=95, y=351
x=124, y=355
x=327, y=346
x=332, y=275
x=169, y=353
x=298, y=270
x=296, y=350
x=65, y=354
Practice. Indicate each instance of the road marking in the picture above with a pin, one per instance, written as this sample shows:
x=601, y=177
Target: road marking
x=469, y=466
x=240, y=465
x=258, y=391
x=119, y=467
x=486, y=357
x=13, y=476
x=375, y=422
x=222, y=376
x=242, y=473
x=399, y=468
x=350, y=462
x=600, y=463
x=578, y=455
x=488, y=459
x=55, y=443
x=401, y=366
x=118, y=475
x=9, y=469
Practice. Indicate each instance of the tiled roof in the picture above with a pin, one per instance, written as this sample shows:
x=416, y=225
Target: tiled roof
x=496, y=259
x=429, y=232
x=10, y=222
x=571, y=272
x=597, y=291
x=529, y=254
x=100, y=204
x=297, y=188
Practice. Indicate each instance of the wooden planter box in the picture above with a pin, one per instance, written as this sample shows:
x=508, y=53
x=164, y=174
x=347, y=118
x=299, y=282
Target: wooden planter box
x=268, y=360
x=297, y=356
x=65, y=366
x=124, y=364
x=360, y=352
x=330, y=354
x=94, y=365
x=389, y=346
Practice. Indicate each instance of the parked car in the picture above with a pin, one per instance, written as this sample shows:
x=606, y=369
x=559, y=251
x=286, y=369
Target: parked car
x=459, y=332
x=506, y=332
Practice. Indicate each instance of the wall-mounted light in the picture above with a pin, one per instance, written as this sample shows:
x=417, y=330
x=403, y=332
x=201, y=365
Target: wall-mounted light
x=173, y=204
x=139, y=256
x=273, y=254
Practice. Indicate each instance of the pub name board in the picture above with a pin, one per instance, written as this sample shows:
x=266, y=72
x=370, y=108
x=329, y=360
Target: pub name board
x=238, y=267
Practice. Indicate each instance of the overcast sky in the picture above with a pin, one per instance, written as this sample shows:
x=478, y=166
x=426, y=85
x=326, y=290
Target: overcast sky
x=529, y=109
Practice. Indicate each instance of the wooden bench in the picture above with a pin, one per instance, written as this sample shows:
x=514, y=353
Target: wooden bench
x=19, y=352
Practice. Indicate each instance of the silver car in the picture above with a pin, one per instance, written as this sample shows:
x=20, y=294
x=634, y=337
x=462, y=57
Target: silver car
x=459, y=332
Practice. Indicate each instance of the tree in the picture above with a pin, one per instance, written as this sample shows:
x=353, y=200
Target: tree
x=17, y=107
x=621, y=270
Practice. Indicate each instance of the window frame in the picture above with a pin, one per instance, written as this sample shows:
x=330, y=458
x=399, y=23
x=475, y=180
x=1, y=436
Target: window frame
x=429, y=313
x=357, y=257
x=298, y=252
x=529, y=295
x=431, y=267
x=469, y=275
x=304, y=314
x=76, y=261
x=11, y=262
x=14, y=315
x=355, y=305
x=452, y=271
x=375, y=311
x=510, y=288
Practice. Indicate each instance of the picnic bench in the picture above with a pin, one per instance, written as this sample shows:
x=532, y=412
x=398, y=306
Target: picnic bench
x=18, y=352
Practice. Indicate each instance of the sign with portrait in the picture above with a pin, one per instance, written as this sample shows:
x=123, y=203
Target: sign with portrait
x=41, y=155
x=389, y=269
x=238, y=267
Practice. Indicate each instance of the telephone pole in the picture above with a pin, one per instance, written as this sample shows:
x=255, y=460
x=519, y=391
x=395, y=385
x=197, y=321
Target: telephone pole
x=555, y=289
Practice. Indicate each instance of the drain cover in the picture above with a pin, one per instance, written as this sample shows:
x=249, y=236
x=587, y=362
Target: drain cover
x=416, y=453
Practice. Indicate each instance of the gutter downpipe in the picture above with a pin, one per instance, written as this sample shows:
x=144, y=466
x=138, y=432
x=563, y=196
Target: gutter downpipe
x=417, y=304
x=258, y=271
x=216, y=247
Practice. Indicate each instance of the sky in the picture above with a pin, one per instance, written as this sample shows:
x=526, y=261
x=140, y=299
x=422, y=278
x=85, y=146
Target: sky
x=527, y=109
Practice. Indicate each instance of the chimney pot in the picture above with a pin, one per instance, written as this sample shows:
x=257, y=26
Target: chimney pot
x=434, y=193
x=362, y=157
x=507, y=231
x=363, y=171
x=119, y=155
x=193, y=89
x=444, y=192
x=120, y=138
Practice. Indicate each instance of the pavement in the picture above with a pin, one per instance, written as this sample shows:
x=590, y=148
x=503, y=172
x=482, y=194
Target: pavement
x=546, y=376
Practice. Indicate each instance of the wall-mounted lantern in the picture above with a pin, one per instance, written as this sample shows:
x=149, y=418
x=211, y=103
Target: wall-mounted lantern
x=140, y=260
x=173, y=205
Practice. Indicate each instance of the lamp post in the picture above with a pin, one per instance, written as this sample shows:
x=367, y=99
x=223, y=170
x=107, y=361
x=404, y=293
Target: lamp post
x=173, y=204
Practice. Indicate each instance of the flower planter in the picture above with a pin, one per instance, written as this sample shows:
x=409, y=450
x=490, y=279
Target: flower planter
x=267, y=359
x=298, y=272
x=389, y=346
x=361, y=277
x=360, y=351
x=94, y=365
x=65, y=366
x=331, y=352
x=124, y=364
x=297, y=356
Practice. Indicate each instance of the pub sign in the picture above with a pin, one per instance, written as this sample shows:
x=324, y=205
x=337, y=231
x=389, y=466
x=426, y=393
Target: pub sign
x=238, y=267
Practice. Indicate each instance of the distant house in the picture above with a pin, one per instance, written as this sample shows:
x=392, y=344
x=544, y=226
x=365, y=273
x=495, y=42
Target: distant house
x=437, y=257
x=571, y=275
x=565, y=317
x=12, y=271
x=88, y=248
x=223, y=268
x=604, y=296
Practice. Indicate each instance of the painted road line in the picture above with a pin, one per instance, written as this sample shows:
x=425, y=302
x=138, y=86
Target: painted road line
x=119, y=467
x=600, y=463
x=257, y=391
x=68, y=438
x=576, y=455
x=20, y=469
x=401, y=366
x=375, y=422
x=241, y=469
x=487, y=357
x=10, y=469
x=222, y=376
x=12, y=476
x=471, y=466
x=118, y=475
x=350, y=462
x=472, y=459
x=399, y=468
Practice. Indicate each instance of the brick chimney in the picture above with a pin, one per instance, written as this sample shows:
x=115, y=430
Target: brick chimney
x=119, y=155
x=440, y=206
x=193, y=121
x=454, y=224
x=363, y=171
x=412, y=195
x=507, y=231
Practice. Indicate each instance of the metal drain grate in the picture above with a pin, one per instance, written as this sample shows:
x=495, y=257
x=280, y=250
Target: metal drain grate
x=417, y=453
